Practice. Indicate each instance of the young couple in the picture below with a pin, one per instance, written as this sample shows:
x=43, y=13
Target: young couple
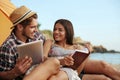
x=25, y=30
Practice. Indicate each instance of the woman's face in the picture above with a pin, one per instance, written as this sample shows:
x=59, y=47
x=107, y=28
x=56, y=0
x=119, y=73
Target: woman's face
x=59, y=33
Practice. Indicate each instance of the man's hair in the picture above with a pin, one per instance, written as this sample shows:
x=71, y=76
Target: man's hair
x=27, y=21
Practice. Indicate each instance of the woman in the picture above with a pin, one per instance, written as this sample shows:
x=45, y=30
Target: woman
x=63, y=49
x=93, y=70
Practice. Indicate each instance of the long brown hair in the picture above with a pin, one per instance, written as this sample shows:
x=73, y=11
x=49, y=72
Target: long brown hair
x=68, y=28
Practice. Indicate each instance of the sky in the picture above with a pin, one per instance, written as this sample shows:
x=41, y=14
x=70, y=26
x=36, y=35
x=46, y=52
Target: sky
x=97, y=21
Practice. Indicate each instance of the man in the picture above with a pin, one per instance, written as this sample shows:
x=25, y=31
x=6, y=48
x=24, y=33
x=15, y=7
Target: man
x=24, y=30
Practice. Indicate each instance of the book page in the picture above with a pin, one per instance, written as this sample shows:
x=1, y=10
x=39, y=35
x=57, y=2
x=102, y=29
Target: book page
x=85, y=50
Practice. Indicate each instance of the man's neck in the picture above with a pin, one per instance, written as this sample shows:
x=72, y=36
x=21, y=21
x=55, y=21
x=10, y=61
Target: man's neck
x=21, y=37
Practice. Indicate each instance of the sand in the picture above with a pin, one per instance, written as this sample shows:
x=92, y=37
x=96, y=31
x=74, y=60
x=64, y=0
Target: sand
x=117, y=66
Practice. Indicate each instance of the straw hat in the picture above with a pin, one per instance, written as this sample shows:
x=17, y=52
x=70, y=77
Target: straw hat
x=20, y=14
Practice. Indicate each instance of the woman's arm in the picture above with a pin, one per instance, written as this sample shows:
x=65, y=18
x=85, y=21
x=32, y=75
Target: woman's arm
x=47, y=46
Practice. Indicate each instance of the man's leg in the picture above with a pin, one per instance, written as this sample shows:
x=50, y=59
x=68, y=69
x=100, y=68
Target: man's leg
x=61, y=75
x=44, y=70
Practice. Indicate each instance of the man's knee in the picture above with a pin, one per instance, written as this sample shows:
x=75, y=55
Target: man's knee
x=54, y=61
x=53, y=64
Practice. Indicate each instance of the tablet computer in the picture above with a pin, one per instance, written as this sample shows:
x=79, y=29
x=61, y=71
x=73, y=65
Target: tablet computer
x=32, y=49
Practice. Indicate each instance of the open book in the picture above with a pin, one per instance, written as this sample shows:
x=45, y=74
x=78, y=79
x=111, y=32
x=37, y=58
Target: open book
x=79, y=56
x=32, y=49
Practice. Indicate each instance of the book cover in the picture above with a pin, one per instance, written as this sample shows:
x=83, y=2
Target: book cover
x=79, y=56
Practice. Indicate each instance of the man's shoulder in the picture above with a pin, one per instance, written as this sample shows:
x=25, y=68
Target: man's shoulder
x=39, y=35
x=8, y=42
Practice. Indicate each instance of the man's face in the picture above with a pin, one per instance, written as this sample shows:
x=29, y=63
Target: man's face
x=30, y=30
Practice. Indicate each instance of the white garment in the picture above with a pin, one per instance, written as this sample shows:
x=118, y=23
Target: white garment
x=60, y=52
x=30, y=69
x=72, y=74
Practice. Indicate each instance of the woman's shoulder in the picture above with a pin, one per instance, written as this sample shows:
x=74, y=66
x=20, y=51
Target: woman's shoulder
x=72, y=47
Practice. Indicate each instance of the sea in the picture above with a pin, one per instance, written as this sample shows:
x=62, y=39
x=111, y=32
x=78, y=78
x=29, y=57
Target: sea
x=112, y=58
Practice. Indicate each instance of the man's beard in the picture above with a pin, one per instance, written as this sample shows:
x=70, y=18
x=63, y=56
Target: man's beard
x=24, y=34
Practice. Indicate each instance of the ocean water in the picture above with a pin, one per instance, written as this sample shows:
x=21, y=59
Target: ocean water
x=112, y=58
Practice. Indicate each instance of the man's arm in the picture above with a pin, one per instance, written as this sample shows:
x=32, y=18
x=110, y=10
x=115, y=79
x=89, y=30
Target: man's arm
x=21, y=67
x=8, y=75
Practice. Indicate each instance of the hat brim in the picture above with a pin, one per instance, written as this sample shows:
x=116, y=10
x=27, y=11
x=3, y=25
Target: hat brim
x=22, y=19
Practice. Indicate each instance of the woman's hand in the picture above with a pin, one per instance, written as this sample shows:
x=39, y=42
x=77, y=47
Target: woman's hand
x=67, y=60
x=89, y=46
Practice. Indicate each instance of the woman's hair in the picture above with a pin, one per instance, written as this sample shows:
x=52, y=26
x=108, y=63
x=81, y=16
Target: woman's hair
x=68, y=28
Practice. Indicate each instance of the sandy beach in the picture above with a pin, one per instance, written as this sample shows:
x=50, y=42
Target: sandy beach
x=117, y=66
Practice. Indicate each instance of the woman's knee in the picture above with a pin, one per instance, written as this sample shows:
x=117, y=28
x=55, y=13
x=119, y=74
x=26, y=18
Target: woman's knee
x=104, y=66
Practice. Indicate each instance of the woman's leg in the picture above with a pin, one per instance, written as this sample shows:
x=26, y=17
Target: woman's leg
x=95, y=77
x=81, y=67
x=44, y=70
x=101, y=67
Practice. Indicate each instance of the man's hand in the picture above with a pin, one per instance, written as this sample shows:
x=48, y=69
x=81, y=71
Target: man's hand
x=22, y=65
